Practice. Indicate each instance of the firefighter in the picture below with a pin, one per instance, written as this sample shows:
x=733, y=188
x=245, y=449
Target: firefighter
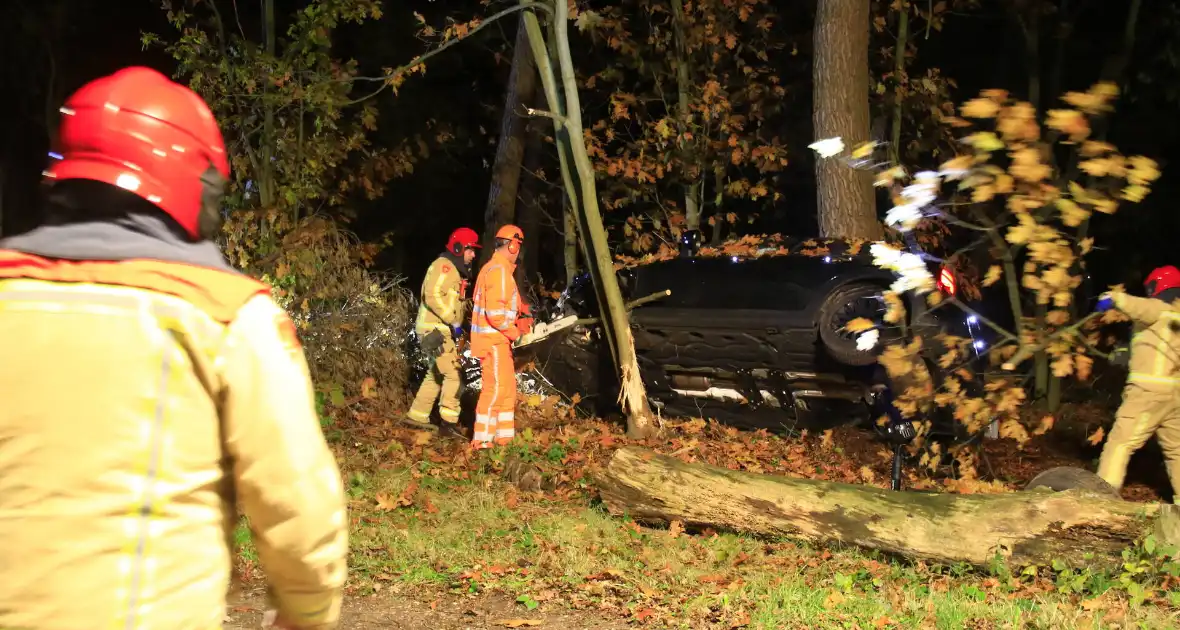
x=149, y=387
x=439, y=329
x=1151, y=398
x=498, y=317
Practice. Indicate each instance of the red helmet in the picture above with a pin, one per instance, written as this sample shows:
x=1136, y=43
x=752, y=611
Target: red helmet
x=1162, y=279
x=140, y=131
x=461, y=239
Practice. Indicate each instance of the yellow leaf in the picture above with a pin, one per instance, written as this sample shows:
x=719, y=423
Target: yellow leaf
x=675, y=528
x=980, y=108
x=1063, y=366
x=863, y=150
x=833, y=600
x=993, y=275
x=1096, y=438
x=1072, y=214
x=1109, y=166
x=888, y=176
x=1143, y=170
x=1045, y=426
x=858, y=325
x=368, y=386
x=959, y=163
x=1057, y=317
x=1069, y=121
x=1091, y=148
x=1134, y=193
x=517, y=623
x=984, y=141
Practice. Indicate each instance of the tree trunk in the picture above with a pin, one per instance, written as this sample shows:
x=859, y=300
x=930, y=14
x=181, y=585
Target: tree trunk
x=569, y=232
x=692, y=196
x=632, y=394
x=522, y=89
x=847, y=208
x=529, y=215
x=1025, y=528
x=544, y=59
x=899, y=70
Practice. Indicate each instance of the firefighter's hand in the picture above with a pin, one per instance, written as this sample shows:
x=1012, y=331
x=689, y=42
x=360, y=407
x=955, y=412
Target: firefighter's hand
x=457, y=331
x=1105, y=302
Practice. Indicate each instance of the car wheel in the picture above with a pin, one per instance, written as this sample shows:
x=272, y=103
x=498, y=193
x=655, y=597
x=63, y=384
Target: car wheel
x=1069, y=478
x=849, y=302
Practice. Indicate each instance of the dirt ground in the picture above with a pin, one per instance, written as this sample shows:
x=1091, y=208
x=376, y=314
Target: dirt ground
x=424, y=611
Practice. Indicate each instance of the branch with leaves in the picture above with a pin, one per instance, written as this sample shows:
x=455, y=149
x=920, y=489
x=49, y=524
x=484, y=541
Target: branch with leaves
x=1005, y=185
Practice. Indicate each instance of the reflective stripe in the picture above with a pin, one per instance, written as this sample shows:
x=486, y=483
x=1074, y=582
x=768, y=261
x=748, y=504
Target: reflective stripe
x=1140, y=377
x=494, y=311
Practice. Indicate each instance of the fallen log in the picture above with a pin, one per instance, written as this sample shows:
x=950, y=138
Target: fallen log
x=1026, y=527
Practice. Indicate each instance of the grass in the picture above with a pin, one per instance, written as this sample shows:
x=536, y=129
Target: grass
x=466, y=531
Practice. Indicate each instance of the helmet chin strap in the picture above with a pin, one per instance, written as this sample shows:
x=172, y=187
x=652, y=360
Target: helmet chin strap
x=209, y=221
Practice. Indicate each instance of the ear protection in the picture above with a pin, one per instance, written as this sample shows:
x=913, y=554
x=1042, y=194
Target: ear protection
x=457, y=249
x=513, y=247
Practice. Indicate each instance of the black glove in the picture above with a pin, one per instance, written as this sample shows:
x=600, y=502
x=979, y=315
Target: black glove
x=1121, y=357
x=431, y=344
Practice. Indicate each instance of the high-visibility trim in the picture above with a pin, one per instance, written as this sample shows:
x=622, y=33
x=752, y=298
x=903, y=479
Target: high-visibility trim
x=446, y=412
x=1140, y=377
x=219, y=294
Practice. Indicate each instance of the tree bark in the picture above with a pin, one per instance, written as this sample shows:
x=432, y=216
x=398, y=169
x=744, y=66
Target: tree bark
x=840, y=71
x=569, y=233
x=633, y=393
x=1025, y=528
x=692, y=190
x=528, y=216
x=522, y=89
x=899, y=70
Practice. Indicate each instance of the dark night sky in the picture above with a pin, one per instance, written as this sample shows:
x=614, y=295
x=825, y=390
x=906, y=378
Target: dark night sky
x=464, y=87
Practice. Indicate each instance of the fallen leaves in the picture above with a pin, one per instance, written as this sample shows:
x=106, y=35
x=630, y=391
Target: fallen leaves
x=518, y=623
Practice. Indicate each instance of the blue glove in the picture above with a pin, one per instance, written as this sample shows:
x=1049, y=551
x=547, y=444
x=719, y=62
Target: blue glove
x=1105, y=303
x=457, y=331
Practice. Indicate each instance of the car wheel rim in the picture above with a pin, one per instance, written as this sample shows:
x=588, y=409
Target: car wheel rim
x=870, y=307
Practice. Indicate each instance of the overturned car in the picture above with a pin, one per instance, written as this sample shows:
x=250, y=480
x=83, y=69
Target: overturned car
x=757, y=339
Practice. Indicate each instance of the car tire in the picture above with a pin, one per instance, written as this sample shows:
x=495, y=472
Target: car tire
x=1070, y=478
x=834, y=314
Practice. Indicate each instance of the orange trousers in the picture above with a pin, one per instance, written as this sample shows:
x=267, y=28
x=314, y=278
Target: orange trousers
x=495, y=417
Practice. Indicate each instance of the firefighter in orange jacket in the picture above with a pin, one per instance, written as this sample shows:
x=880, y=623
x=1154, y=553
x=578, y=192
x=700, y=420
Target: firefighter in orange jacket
x=149, y=388
x=498, y=317
x=441, y=309
x=1151, y=398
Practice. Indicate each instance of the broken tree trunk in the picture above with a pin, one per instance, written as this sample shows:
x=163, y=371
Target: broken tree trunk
x=1026, y=528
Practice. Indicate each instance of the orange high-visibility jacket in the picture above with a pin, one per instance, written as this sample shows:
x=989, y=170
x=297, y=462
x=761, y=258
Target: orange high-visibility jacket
x=142, y=399
x=1155, y=342
x=495, y=305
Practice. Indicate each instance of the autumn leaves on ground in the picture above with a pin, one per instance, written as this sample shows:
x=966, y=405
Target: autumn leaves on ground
x=443, y=538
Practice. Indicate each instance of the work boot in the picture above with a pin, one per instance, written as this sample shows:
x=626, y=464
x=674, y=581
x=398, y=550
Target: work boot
x=451, y=431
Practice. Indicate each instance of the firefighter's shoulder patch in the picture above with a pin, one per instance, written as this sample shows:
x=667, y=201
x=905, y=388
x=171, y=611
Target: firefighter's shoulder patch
x=446, y=268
